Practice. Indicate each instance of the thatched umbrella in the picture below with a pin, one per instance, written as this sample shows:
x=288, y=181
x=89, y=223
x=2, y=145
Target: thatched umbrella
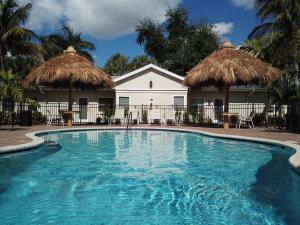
x=227, y=67
x=69, y=70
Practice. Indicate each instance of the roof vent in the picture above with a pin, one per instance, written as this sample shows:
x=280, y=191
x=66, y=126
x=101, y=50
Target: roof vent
x=70, y=49
x=227, y=44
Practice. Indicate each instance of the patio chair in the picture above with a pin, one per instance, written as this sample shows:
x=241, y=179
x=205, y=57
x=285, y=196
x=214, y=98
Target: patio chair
x=54, y=118
x=119, y=115
x=248, y=120
x=155, y=114
x=170, y=115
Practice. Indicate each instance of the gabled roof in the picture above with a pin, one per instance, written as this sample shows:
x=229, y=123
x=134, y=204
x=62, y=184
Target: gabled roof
x=149, y=66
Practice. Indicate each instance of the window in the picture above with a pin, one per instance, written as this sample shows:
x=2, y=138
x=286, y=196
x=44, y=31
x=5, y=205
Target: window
x=124, y=102
x=105, y=102
x=218, y=109
x=218, y=102
x=178, y=102
x=196, y=102
x=83, y=108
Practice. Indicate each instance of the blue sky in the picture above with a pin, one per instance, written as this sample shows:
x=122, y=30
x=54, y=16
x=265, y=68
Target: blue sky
x=110, y=24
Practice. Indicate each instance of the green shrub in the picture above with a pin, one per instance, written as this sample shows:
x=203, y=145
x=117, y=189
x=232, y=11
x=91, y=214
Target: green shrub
x=38, y=118
x=277, y=121
x=186, y=119
x=259, y=119
x=108, y=112
x=233, y=119
x=144, y=116
x=197, y=115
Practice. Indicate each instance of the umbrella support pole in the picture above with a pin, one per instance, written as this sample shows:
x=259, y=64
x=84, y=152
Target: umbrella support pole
x=69, y=119
x=226, y=107
x=70, y=106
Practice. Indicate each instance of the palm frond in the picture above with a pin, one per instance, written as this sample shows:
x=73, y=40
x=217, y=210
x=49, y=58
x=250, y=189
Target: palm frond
x=20, y=15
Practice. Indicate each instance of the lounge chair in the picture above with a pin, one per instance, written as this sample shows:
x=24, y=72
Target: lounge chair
x=155, y=114
x=170, y=115
x=54, y=118
x=119, y=115
x=246, y=120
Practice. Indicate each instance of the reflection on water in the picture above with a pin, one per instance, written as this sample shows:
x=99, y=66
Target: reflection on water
x=278, y=186
x=142, y=150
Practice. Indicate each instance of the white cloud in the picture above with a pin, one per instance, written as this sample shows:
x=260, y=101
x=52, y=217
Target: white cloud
x=223, y=29
x=98, y=18
x=246, y=4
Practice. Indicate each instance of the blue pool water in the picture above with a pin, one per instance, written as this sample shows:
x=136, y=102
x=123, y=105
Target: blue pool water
x=148, y=177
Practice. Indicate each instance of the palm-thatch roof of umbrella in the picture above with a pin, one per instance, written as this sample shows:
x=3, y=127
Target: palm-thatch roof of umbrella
x=227, y=67
x=69, y=70
x=230, y=66
x=68, y=67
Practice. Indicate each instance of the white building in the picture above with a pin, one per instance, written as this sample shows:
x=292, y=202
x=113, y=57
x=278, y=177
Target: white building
x=149, y=85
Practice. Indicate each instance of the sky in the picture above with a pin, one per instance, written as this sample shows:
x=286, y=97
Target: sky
x=110, y=24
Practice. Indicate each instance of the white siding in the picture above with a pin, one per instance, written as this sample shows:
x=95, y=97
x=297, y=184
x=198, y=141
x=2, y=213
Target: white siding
x=160, y=81
x=137, y=88
x=143, y=98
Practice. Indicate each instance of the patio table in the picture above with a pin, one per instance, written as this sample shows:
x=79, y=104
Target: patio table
x=69, y=116
x=226, y=122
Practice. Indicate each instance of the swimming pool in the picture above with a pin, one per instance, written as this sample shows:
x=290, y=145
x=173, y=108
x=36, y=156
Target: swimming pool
x=148, y=177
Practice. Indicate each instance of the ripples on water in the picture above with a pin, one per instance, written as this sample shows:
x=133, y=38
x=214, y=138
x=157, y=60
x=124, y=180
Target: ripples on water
x=148, y=177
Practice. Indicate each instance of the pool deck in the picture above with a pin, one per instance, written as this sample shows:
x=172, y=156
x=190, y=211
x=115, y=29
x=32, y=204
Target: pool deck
x=15, y=136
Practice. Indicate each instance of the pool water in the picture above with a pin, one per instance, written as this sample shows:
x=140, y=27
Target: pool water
x=148, y=177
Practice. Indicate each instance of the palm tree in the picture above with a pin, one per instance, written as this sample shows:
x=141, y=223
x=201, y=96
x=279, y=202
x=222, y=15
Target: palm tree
x=116, y=65
x=140, y=61
x=14, y=39
x=22, y=64
x=10, y=88
x=10, y=92
x=54, y=44
x=276, y=40
x=280, y=29
x=260, y=47
x=282, y=91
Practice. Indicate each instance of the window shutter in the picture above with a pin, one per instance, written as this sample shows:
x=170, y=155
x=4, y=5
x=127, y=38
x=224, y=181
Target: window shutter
x=123, y=101
x=178, y=101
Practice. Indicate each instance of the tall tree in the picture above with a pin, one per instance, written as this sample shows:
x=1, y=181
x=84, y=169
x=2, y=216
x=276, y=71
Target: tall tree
x=276, y=40
x=116, y=65
x=21, y=65
x=14, y=38
x=11, y=88
x=280, y=31
x=177, y=44
x=140, y=61
x=151, y=35
x=283, y=90
x=54, y=44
